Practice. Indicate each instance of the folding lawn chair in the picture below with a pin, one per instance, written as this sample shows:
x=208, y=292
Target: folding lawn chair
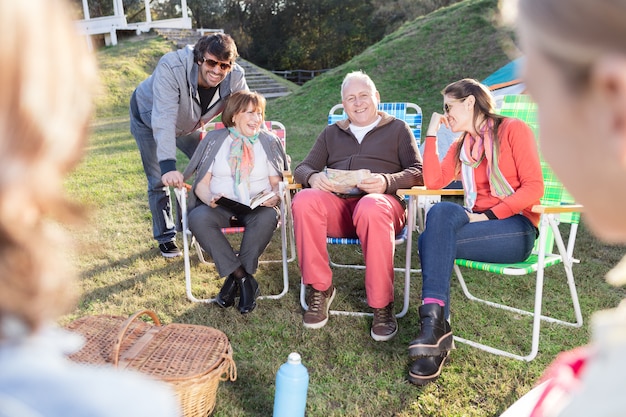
x=412, y=114
x=557, y=206
x=285, y=226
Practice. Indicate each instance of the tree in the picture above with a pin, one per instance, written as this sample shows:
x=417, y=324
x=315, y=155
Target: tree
x=300, y=34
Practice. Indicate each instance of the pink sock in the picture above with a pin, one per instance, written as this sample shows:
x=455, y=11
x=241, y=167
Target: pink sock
x=434, y=301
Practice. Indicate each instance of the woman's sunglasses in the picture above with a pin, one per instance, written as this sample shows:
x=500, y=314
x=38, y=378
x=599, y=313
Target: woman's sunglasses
x=446, y=106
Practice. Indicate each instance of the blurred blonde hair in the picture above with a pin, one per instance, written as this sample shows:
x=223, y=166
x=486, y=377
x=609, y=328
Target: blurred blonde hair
x=573, y=33
x=47, y=82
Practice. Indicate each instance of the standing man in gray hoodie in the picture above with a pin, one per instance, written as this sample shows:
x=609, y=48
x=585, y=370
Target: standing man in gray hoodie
x=188, y=88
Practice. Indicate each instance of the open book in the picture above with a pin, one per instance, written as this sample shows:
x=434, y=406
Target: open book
x=240, y=208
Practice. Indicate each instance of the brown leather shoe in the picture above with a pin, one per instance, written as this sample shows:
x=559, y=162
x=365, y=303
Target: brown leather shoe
x=384, y=325
x=319, y=304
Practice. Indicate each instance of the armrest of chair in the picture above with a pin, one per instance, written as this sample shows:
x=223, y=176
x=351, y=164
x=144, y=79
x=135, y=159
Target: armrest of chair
x=291, y=185
x=565, y=208
x=421, y=199
x=422, y=190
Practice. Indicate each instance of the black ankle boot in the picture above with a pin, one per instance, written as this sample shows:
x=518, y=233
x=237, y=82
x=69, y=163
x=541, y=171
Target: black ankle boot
x=228, y=293
x=426, y=369
x=435, y=336
x=248, y=292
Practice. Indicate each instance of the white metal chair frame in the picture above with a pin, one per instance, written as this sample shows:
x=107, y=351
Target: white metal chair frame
x=398, y=110
x=549, y=220
x=285, y=226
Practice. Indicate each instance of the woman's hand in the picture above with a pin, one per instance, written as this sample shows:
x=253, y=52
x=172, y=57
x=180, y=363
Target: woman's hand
x=273, y=201
x=213, y=199
x=477, y=217
x=436, y=120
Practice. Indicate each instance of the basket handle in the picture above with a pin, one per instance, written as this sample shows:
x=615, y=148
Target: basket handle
x=231, y=369
x=124, y=327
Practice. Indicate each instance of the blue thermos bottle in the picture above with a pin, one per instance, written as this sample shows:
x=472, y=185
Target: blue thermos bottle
x=292, y=383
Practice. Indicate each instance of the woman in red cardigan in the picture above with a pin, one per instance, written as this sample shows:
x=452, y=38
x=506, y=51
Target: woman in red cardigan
x=497, y=161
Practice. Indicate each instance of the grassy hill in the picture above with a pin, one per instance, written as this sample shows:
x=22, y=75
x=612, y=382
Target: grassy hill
x=413, y=64
x=121, y=270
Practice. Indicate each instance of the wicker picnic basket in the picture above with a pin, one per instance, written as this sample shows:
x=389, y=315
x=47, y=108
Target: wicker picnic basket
x=193, y=359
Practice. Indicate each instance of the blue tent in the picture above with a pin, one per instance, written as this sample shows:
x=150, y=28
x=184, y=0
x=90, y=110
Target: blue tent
x=506, y=80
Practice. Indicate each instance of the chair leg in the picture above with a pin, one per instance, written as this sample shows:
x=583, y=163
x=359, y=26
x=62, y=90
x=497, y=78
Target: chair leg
x=401, y=313
x=284, y=260
x=567, y=260
x=181, y=195
x=405, y=237
x=536, y=320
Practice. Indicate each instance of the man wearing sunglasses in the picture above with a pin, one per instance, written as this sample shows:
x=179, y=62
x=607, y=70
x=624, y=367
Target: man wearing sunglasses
x=187, y=89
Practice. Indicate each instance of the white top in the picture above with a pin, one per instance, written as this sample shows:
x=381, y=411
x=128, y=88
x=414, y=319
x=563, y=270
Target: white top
x=222, y=181
x=36, y=380
x=360, y=131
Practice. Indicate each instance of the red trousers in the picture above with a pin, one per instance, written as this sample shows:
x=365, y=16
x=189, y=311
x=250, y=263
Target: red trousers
x=374, y=218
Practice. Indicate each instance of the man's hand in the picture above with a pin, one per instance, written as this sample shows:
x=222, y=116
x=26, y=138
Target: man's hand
x=376, y=183
x=320, y=181
x=172, y=179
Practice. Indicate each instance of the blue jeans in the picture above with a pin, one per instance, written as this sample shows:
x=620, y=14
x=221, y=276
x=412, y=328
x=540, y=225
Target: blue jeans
x=448, y=235
x=163, y=224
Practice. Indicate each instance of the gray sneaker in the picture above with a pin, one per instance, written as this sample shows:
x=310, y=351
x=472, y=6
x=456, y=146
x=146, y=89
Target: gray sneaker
x=319, y=304
x=384, y=325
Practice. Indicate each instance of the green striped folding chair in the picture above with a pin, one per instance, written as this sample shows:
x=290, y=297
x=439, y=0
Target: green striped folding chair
x=412, y=114
x=556, y=207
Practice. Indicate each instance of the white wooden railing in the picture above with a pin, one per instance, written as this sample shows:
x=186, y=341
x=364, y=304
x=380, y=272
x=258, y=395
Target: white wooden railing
x=109, y=25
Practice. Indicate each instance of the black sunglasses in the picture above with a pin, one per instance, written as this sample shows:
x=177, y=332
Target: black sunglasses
x=446, y=106
x=223, y=65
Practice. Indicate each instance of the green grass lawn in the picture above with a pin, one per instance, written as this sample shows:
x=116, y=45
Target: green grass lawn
x=121, y=270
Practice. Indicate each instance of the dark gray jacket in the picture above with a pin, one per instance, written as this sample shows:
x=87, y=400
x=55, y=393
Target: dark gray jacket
x=169, y=103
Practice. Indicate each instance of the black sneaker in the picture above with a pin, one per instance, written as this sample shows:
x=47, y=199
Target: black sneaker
x=169, y=250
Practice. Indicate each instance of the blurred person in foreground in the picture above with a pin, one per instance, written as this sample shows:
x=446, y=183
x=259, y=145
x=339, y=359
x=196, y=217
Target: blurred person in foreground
x=47, y=82
x=372, y=140
x=188, y=88
x=575, y=70
x=241, y=160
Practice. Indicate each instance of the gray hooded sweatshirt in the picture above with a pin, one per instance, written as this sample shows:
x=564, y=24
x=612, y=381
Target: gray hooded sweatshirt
x=169, y=103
